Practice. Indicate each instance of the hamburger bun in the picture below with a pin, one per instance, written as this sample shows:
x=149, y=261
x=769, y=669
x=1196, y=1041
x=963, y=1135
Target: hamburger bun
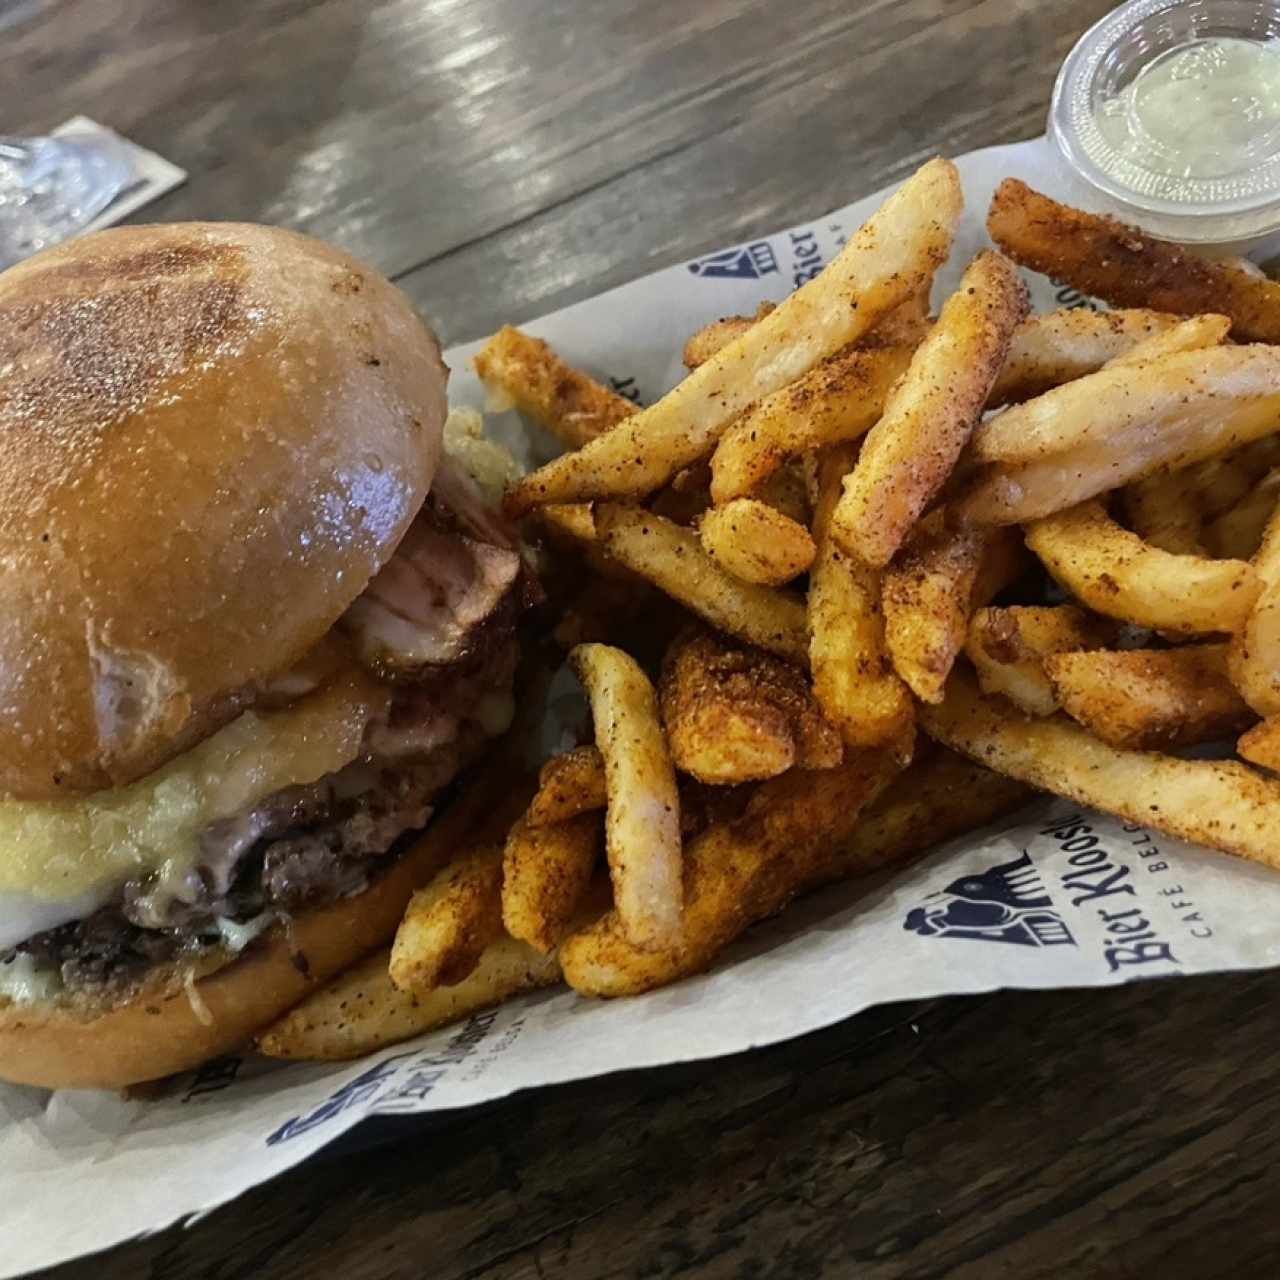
x=174, y=1023
x=198, y=423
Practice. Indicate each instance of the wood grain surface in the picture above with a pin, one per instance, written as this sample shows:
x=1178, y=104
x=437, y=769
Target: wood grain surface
x=504, y=157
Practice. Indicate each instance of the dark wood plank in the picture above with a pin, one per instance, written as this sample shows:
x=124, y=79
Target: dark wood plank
x=502, y=158
x=1116, y=1133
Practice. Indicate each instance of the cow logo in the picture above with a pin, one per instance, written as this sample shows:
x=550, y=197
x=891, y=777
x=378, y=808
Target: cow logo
x=748, y=263
x=1006, y=903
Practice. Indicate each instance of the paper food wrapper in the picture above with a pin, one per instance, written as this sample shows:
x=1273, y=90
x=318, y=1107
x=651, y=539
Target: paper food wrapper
x=1055, y=898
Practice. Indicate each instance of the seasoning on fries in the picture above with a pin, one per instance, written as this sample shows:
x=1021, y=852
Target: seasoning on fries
x=815, y=545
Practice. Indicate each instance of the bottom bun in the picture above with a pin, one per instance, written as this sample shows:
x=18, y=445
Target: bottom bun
x=175, y=1024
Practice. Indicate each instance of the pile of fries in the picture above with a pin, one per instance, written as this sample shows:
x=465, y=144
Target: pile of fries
x=862, y=579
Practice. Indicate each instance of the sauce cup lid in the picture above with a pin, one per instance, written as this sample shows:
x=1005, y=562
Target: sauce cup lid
x=1170, y=110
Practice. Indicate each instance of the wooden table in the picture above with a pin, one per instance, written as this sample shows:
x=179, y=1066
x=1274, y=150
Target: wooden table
x=501, y=158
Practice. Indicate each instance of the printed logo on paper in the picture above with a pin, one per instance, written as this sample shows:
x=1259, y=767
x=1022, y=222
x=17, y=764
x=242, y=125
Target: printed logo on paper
x=404, y=1081
x=1006, y=903
x=363, y=1088
x=748, y=263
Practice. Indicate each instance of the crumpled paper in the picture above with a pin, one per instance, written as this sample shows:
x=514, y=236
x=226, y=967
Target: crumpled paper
x=1053, y=898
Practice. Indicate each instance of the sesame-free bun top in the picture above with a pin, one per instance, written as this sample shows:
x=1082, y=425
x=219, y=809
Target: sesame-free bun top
x=212, y=435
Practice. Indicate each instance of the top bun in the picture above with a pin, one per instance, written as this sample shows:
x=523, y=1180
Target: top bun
x=212, y=435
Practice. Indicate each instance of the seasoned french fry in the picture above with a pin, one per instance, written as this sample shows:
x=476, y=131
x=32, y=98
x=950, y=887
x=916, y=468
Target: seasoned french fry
x=687, y=497
x=1162, y=510
x=1117, y=574
x=571, y=520
x=740, y=715
x=853, y=678
x=1254, y=656
x=1126, y=267
x=736, y=873
x=1261, y=745
x=908, y=455
x=907, y=324
x=929, y=597
x=1214, y=802
x=756, y=542
x=672, y=559
x=545, y=873
x=642, y=817
x=717, y=335
x=837, y=401
x=1237, y=533
x=1222, y=482
x=569, y=784
x=1051, y=349
x=939, y=796
x=449, y=922
x=1008, y=647
x=1150, y=699
x=1193, y=334
x=1121, y=424
x=571, y=405
x=787, y=491
x=360, y=1011
x=1176, y=510
x=882, y=264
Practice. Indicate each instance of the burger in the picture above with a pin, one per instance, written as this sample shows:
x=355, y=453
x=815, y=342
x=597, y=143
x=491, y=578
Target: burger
x=253, y=624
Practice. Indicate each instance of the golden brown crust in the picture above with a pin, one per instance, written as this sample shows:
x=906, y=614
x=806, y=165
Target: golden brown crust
x=570, y=404
x=168, y=1029
x=734, y=714
x=1122, y=265
x=195, y=420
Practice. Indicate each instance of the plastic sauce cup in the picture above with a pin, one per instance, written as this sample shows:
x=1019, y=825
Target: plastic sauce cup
x=1167, y=114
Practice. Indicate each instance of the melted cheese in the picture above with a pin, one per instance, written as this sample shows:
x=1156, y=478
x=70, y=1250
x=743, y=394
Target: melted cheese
x=85, y=847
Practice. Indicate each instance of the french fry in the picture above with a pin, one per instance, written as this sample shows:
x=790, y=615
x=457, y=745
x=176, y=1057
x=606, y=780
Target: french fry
x=1119, y=425
x=1008, y=648
x=740, y=715
x=787, y=491
x=930, y=592
x=568, y=784
x=882, y=264
x=1193, y=334
x=1222, y=482
x=360, y=1011
x=717, y=335
x=1216, y=802
x=546, y=871
x=1254, y=656
x=1261, y=745
x=1048, y=350
x=1175, y=510
x=756, y=542
x=940, y=796
x=568, y=403
x=1162, y=510
x=736, y=873
x=1100, y=256
x=687, y=497
x=1150, y=699
x=1237, y=533
x=573, y=521
x=908, y=455
x=837, y=401
x=1116, y=574
x=907, y=324
x=642, y=817
x=853, y=678
x=672, y=559
x=449, y=922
